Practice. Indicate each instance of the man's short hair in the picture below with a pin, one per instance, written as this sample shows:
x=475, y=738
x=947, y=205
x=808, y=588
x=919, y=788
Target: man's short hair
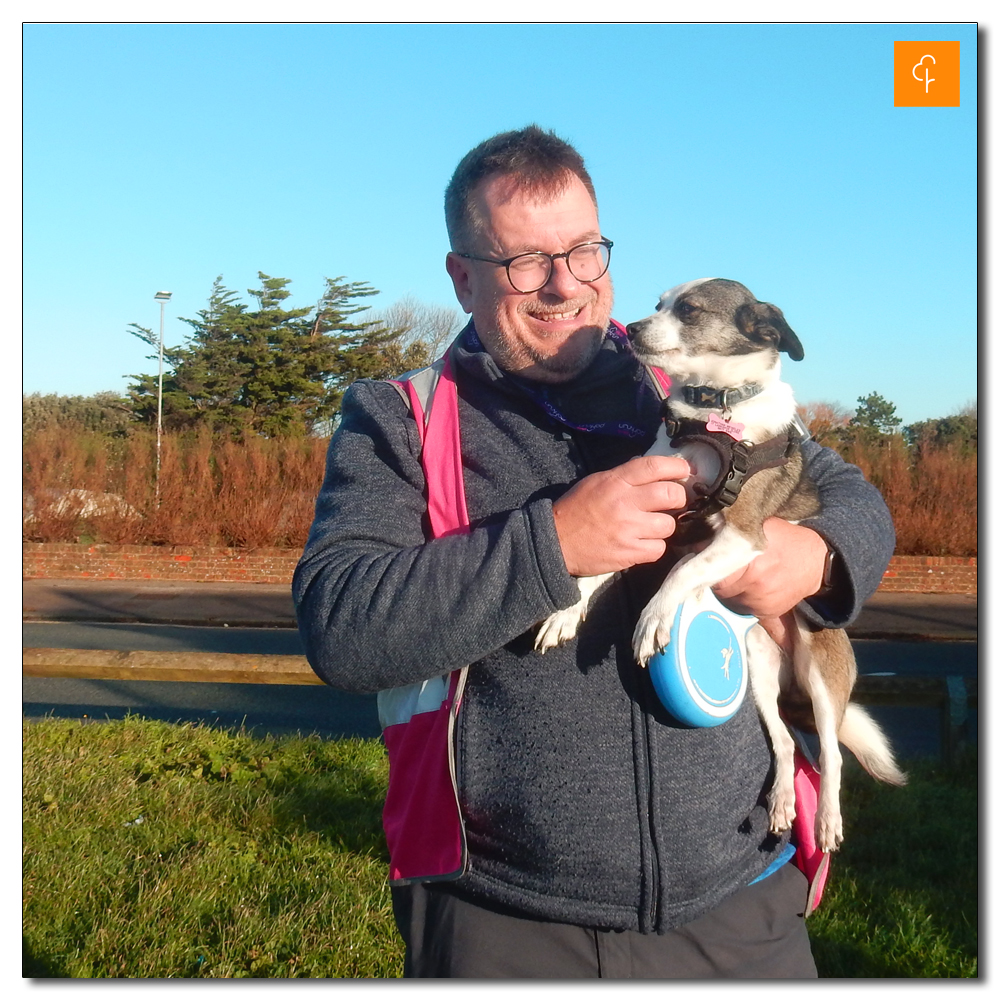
x=538, y=160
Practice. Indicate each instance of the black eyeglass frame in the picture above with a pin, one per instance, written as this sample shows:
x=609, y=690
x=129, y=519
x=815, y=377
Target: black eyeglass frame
x=553, y=257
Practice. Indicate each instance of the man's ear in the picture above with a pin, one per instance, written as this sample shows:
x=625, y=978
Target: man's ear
x=459, y=272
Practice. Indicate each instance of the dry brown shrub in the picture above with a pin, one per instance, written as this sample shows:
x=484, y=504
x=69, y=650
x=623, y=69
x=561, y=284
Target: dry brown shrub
x=942, y=515
x=932, y=494
x=824, y=420
x=251, y=493
x=60, y=466
x=261, y=493
x=185, y=513
x=258, y=493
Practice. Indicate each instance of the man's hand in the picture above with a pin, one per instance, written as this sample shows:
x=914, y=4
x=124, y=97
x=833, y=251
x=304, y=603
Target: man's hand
x=789, y=570
x=611, y=520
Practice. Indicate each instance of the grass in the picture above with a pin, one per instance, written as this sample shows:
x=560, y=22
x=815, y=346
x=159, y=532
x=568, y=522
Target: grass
x=258, y=858
x=264, y=858
x=903, y=895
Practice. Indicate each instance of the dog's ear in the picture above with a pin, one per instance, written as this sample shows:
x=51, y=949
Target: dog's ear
x=765, y=323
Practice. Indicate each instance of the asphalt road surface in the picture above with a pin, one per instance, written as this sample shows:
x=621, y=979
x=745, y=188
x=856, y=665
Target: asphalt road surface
x=283, y=709
x=161, y=638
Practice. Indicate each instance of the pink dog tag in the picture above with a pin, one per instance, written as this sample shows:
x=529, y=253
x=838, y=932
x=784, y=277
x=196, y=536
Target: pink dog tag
x=730, y=427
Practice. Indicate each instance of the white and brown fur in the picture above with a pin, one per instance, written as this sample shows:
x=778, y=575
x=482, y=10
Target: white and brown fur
x=714, y=332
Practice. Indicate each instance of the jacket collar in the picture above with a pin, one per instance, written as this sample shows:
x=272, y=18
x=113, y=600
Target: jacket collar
x=612, y=390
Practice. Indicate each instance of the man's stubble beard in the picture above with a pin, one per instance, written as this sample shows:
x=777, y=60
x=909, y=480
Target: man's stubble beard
x=513, y=355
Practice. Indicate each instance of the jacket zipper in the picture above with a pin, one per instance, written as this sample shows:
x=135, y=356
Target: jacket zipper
x=578, y=458
x=644, y=692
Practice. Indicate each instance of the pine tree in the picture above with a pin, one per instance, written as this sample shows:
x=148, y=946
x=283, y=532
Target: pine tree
x=874, y=418
x=270, y=370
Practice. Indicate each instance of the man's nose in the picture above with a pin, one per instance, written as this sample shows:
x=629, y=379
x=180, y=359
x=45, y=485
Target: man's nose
x=562, y=280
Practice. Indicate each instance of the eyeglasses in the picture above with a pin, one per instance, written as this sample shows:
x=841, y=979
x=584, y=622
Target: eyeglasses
x=527, y=272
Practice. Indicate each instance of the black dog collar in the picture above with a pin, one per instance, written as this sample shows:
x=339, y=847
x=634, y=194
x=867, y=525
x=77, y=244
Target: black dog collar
x=719, y=399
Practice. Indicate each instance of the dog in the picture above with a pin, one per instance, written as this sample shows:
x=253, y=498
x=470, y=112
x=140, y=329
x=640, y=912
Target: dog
x=733, y=419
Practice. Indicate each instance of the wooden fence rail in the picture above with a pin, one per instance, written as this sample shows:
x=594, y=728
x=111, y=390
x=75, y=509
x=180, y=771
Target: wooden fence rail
x=134, y=665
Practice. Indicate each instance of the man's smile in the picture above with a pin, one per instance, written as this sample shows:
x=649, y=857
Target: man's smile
x=565, y=314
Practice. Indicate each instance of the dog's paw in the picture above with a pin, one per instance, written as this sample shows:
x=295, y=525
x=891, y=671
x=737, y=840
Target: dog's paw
x=559, y=627
x=781, y=810
x=652, y=634
x=829, y=830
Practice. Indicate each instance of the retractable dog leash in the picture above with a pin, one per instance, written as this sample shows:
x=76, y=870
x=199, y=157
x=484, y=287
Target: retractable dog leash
x=701, y=675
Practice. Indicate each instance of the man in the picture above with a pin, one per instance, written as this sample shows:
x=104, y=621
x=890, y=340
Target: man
x=601, y=838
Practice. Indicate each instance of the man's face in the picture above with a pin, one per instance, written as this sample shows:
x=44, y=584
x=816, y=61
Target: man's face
x=553, y=334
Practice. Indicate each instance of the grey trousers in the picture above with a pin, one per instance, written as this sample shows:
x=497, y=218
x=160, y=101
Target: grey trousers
x=758, y=933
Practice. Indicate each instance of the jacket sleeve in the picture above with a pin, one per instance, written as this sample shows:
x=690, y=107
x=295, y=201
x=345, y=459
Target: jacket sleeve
x=379, y=605
x=856, y=523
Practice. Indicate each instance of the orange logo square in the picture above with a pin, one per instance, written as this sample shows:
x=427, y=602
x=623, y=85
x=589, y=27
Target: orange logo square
x=926, y=74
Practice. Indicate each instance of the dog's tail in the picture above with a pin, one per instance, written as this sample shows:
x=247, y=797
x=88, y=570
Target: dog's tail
x=863, y=736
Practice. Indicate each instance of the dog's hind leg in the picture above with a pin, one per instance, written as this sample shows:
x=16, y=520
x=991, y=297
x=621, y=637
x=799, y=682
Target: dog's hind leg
x=827, y=714
x=563, y=625
x=765, y=661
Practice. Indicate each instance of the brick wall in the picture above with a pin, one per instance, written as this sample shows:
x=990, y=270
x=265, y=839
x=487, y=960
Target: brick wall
x=214, y=564
x=931, y=575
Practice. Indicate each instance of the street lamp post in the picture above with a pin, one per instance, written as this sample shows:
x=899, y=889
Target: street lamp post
x=163, y=298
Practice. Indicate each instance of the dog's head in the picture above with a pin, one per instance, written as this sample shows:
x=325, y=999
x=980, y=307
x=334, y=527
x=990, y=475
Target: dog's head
x=698, y=324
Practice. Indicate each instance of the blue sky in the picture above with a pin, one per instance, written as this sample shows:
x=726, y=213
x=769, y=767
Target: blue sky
x=159, y=156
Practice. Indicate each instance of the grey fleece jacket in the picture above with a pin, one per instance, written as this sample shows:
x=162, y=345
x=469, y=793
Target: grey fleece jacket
x=584, y=802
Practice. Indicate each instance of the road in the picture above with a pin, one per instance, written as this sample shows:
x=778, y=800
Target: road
x=282, y=709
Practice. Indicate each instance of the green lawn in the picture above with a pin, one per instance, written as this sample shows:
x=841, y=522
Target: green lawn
x=903, y=895
x=162, y=851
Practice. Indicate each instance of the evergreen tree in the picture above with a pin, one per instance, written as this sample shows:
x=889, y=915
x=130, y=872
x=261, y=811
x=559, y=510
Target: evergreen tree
x=270, y=370
x=106, y=412
x=875, y=417
x=960, y=431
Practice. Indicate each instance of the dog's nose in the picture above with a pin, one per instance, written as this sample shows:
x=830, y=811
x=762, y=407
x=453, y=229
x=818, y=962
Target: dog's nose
x=633, y=330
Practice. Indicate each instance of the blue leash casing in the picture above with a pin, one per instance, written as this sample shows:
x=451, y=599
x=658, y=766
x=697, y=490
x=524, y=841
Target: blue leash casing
x=701, y=675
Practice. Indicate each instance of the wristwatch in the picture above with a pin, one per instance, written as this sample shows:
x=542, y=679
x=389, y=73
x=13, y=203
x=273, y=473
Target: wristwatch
x=828, y=570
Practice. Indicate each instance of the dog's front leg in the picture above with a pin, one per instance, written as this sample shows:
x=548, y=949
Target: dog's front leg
x=729, y=551
x=562, y=625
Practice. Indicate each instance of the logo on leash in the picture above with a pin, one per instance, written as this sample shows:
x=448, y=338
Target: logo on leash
x=727, y=655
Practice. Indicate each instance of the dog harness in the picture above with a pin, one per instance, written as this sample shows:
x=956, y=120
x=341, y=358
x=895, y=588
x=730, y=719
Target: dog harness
x=738, y=459
x=422, y=817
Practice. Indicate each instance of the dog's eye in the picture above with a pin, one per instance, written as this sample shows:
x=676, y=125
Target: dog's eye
x=685, y=309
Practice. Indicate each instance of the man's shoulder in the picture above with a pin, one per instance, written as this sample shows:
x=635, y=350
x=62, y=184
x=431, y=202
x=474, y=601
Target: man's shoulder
x=373, y=399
